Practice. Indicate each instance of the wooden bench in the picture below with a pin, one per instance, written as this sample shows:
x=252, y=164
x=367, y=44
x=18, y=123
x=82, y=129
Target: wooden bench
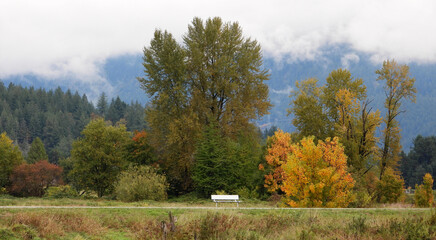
x=225, y=198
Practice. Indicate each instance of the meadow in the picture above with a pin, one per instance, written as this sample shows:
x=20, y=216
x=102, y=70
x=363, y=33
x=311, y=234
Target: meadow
x=226, y=222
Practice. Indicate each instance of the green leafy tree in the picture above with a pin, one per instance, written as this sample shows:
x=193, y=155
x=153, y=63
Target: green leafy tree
x=98, y=156
x=390, y=187
x=309, y=114
x=36, y=152
x=398, y=86
x=217, y=75
x=10, y=157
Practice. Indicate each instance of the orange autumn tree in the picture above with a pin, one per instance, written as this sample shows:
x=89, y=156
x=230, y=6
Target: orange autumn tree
x=279, y=146
x=316, y=175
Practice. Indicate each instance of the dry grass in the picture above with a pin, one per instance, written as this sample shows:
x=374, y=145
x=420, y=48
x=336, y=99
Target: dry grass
x=52, y=224
x=218, y=224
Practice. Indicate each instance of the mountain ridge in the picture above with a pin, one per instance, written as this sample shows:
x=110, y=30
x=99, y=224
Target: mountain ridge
x=120, y=73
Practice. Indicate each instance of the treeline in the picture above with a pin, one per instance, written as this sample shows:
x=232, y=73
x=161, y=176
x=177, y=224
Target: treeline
x=204, y=97
x=56, y=117
x=420, y=160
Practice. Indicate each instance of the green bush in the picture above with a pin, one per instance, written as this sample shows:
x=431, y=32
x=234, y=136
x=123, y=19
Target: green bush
x=246, y=193
x=64, y=191
x=390, y=187
x=141, y=183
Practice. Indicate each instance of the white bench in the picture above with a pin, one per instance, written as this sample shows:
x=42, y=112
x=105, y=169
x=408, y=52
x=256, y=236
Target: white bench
x=225, y=198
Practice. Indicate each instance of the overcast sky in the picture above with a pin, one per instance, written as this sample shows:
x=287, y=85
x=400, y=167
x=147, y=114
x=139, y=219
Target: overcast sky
x=73, y=38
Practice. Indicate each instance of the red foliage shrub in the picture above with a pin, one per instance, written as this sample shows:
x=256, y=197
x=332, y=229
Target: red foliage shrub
x=33, y=179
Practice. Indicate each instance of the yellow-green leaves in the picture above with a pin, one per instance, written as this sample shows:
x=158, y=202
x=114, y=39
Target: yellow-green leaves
x=398, y=86
x=10, y=157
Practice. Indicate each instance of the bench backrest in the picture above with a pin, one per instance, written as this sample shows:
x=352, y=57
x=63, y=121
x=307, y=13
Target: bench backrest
x=225, y=197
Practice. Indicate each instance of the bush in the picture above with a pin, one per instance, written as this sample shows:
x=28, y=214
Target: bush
x=33, y=179
x=390, y=187
x=141, y=183
x=424, y=192
x=65, y=191
x=246, y=193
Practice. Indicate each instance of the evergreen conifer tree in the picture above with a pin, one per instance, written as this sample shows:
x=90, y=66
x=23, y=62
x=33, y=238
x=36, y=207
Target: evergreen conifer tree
x=36, y=152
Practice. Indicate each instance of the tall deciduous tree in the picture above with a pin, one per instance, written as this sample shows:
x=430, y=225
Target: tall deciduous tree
x=36, y=152
x=217, y=75
x=356, y=126
x=340, y=79
x=98, y=156
x=398, y=86
x=338, y=108
x=315, y=108
x=10, y=157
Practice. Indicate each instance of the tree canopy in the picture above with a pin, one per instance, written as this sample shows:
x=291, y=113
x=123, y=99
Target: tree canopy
x=98, y=156
x=398, y=86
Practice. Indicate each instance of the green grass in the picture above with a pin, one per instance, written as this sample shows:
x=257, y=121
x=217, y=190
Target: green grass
x=6, y=200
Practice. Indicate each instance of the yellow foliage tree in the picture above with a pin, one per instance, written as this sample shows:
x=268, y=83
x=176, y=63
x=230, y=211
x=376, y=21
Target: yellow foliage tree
x=424, y=192
x=279, y=146
x=316, y=175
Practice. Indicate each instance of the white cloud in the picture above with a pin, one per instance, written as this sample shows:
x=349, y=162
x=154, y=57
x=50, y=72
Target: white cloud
x=349, y=58
x=57, y=38
x=286, y=91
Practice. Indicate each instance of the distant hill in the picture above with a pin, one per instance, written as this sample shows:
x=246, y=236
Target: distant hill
x=57, y=117
x=420, y=118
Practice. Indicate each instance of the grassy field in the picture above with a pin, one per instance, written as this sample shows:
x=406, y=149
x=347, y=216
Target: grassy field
x=410, y=223
x=216, y=224
x=6, y=200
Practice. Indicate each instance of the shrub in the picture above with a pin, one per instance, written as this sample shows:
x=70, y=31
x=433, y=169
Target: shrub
x=424, y=192
x=33, y=179
x=390, y=187
x=246, y=193
x=141, y=183
x=65, y=191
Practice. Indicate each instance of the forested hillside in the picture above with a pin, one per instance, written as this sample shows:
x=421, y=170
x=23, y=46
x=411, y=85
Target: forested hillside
x=57, y=117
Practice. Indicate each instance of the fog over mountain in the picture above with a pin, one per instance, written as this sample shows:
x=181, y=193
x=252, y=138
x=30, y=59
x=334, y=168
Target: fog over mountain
x=419, y=118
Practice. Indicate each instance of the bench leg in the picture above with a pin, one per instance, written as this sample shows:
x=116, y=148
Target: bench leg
x=237, y=204
x=216, y=204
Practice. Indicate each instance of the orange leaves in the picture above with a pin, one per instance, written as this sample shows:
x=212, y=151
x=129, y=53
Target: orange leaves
x=311, y=175
x=139, y=136
x=277, y=152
